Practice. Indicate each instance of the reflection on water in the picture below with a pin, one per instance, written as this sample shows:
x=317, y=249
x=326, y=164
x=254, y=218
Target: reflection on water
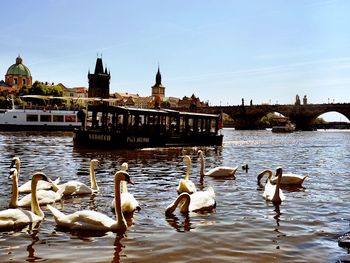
x=31, y=252
x=242, y=228
x=180, y=226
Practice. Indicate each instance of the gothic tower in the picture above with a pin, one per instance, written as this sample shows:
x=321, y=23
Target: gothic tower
x=99, y=81
x=158, y=90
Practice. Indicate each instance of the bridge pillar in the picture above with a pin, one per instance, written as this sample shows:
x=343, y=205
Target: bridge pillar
x=302, y=122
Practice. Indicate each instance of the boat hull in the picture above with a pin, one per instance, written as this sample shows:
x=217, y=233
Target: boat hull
x=38, y=120
x=91, y=139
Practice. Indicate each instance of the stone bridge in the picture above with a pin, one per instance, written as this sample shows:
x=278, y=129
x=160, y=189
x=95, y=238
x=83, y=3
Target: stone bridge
x=303, y=116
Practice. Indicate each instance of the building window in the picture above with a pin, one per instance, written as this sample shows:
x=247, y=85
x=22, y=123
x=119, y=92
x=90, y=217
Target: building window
x=23, y=82
x=15, y=81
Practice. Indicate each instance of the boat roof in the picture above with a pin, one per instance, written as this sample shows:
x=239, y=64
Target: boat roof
x=161, y=111
x=123, y=109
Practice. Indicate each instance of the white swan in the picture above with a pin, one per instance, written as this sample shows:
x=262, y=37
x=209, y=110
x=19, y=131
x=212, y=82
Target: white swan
x=220, y=171
x=198, y=201
x=287, y=179
x=76, y=187
x=26, y=187
x=128, y=202
x=12, y=218
x=43, y=196
x=92, y=220
x=272, y=192
x=186, y=185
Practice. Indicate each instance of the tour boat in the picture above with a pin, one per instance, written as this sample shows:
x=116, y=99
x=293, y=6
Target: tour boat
x=38, y=118
x=108, y=126
x=288, y=127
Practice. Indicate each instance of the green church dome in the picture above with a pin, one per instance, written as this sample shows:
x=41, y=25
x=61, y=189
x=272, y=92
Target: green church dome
x=18, y=69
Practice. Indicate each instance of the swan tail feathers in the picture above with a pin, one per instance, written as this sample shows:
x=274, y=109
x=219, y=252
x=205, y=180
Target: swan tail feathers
x=234, y=170
x=58, y=215
x=57, y=181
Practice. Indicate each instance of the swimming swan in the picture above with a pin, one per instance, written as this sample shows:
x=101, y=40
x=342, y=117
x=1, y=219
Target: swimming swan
x=198, y=201
x=43, y=196
x=92, y=220
x=287, y=179
x=220, y=171
x=128, y=202
x=12, y=218
x=272, y=192
x=26, y=187
x=76, y=187
x=186, y=185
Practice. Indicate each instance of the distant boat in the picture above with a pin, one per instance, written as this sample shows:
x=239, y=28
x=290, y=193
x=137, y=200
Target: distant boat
x=288, y=127
x=38, y=118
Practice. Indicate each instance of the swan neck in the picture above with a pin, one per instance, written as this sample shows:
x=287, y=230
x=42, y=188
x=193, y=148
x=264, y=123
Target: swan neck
x=188, y=170
x=261, y=175
x=18, y=167
x=14, y=197
x=184, y=207
x=93, y=182
x=118, y=207
x=276, y=197
x=124, y=187
x=34, y=199
x=202, y=164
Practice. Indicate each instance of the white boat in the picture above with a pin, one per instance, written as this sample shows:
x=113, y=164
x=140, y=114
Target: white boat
x=41, y=118
x=288, y=127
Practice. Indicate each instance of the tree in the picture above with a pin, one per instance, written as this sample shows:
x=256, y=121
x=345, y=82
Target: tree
x=39, y=88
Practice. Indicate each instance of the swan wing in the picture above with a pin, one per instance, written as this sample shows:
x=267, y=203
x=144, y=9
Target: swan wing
x=290, y=179
x=74, y=188
x=186, y=186
x=25, y=188
x=44, y=197
x=85, y=219
x=17, y=218
x=222, y=171
x=269, y=190
x=42, y=185
x=128, y=203
x=202, y=200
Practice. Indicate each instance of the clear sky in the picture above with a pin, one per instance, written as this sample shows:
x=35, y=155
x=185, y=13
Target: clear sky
x=221, y=51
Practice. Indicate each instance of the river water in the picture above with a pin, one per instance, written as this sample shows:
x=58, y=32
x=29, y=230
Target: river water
x=242, y=227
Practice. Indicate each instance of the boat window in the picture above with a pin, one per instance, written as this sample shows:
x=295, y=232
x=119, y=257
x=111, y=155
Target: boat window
x=58, y=118
x=182, y=124
x=70, y=118
x=32, y=117
x=45, y=118
x=212, y=125
x=200, y=125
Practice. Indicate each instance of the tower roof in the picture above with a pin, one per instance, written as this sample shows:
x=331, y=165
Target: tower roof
x=158, y=78
x=99, y=66
x=18, y=69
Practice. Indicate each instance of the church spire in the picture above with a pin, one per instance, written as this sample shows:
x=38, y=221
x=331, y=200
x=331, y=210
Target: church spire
x=158, y=78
